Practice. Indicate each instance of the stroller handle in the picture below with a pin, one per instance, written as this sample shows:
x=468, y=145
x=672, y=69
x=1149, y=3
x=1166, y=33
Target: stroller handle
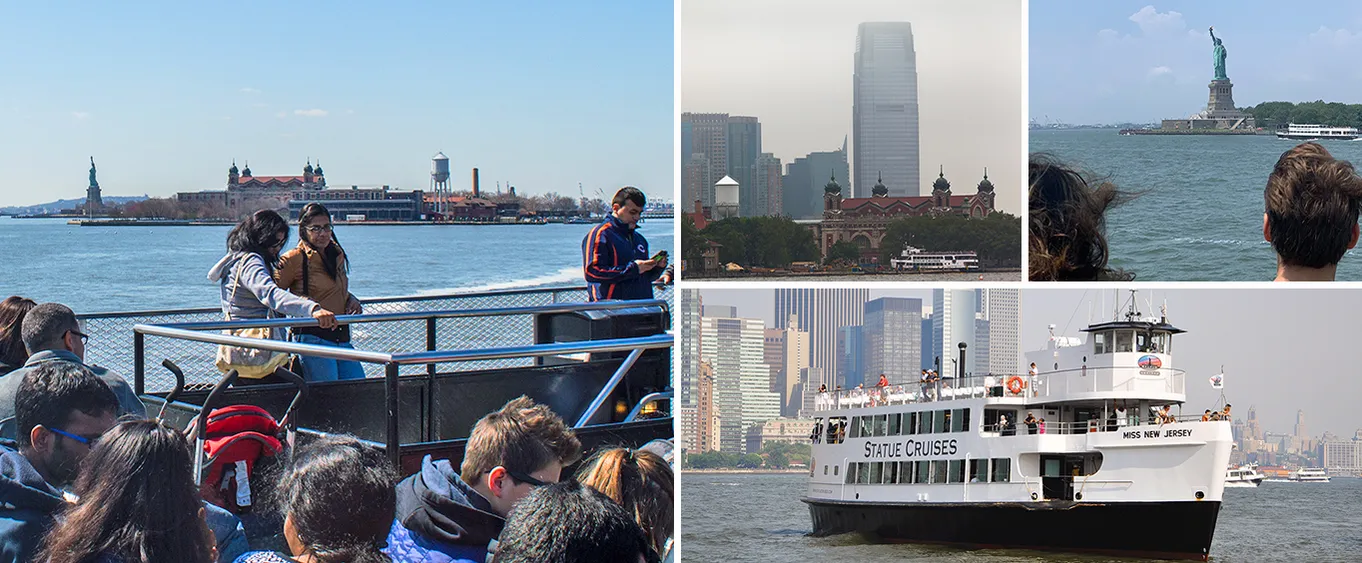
x=179, y=386
x=213, y=397
x=298, y=397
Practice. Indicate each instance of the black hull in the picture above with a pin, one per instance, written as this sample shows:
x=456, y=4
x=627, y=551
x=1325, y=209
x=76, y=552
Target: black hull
x=1163, y=530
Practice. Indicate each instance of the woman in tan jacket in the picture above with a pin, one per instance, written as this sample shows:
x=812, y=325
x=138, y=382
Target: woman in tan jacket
x=317, y=269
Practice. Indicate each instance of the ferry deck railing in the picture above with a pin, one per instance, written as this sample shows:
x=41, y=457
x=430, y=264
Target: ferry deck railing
x=111, y=334
x=202, y=333
x=1055, y=384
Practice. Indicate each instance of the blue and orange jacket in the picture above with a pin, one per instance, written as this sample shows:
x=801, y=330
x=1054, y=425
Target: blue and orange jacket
x=608, y=254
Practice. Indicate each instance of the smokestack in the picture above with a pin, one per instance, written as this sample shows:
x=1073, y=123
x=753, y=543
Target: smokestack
x=475, y=182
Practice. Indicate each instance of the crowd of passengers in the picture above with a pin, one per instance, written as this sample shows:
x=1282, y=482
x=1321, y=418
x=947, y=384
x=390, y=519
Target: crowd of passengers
x=87, y=477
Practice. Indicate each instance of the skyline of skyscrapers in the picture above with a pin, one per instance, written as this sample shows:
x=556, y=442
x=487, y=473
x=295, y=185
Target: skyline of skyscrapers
x=884, y=110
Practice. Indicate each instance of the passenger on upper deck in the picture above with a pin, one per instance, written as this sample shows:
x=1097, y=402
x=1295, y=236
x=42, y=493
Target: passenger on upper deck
x=884, y=381
x=615, y=257
x=1312, y=205
x=448, y=516
x=318, y=269
x=12, y=351
x=52, y=333
x=1031, y=423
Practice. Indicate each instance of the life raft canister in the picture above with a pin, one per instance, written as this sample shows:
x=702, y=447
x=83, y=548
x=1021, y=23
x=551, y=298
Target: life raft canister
x=1015, y=385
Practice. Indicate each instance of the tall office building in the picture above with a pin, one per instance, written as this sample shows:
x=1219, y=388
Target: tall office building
x=884, y=115
x=822, y=312
x=742, y=381
x=928, y=351
x=892, y=339
x=802, y=186
x=688, y=345
x=704, y=134
x=850, y=357
x=1001, y=308
x=768, y=188
x=982, y=347
x=744, y=148
x=953, y=322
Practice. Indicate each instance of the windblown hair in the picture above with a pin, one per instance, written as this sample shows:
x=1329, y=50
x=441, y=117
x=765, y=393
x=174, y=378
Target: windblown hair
x=1312, y=202
x=12, y=312
x=331, y=255
x=341, y=496
x=523, y=436
x=1068, y=230
x=639, y=481
x=138, y=502
x=257, y=234
x=568, y=523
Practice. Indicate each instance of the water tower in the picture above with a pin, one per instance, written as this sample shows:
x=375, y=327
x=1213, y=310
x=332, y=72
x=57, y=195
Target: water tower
x=725, y=199
x=439, y=182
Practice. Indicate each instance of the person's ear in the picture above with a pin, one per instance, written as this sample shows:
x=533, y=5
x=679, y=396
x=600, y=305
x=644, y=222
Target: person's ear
x=40, y=438
x=495, y=479
x=1353, y=241
x=1267, y=232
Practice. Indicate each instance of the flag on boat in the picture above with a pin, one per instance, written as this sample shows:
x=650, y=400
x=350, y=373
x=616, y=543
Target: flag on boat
x=1218, y=381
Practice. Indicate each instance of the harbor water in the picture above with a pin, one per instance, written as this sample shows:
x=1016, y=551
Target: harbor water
x=744, y=518
x=1199, y=215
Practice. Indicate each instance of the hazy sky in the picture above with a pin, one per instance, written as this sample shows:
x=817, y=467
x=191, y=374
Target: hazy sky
x=1120, y=61
x=1282, y=350
x=790, y=64
x=164, y=94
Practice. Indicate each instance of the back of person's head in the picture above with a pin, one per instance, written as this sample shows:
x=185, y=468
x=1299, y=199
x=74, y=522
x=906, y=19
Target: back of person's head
x=138, y=501
x=522, y=436
x=1068, y=230
x=629, y=194
x=1312, y=204
x=12, y=312
x=52, y=392
x=45, y=325
x=569, y=523
x=639, y=481
x=259, y=233
x=339, y=498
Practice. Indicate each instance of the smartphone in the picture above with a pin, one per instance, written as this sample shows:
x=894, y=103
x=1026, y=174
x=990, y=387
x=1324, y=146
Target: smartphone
x=660, y=255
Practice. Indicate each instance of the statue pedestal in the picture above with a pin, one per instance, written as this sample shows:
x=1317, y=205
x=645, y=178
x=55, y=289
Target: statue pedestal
x=1221, y=101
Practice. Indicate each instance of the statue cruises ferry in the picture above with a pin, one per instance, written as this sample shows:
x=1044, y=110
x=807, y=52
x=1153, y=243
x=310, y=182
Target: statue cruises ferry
x=1085, y=453
x=913, y=258
x=1307, y=132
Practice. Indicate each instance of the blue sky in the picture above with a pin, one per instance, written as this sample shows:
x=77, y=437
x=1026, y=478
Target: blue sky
x=1136, y=61
x=164, y=94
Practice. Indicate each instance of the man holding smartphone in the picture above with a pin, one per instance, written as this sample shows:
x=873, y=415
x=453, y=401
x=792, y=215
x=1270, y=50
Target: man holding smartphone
x=615, y=257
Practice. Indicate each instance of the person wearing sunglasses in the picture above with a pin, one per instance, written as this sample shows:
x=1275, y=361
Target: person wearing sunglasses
x=62, y=411
x=448, y=515
x=318, y=269
x=52, y=333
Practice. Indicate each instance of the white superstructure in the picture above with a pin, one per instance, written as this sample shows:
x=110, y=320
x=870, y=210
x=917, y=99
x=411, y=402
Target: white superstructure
x=1304, y=131
x=918, y=259
x=1243, y=476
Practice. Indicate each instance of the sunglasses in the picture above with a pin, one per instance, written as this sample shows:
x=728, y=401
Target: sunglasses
x=524, y=478
x=84, y=338
x=87, y=440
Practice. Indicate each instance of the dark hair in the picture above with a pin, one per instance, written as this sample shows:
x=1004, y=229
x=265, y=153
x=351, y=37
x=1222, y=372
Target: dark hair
x=46, y=324
x=639, y=481
x=258, y=234
x=12, y=312
x=1068, y=231
x=523, y=436
x=331, y=255
x=138, y=502
x=51, y=391
x=629, y=193
x=341, y=496
x=1312, y=202
x=570, y=523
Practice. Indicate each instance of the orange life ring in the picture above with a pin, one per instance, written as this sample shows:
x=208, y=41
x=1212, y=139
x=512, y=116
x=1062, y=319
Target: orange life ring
x=1015, y=385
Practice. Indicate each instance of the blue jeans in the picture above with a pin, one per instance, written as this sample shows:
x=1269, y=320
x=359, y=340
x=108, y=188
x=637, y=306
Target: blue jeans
x=327, y=369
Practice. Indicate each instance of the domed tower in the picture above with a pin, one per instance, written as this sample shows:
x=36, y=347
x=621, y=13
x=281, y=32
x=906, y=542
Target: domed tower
x=247, y=170
x=941, y=190
x=232, y=175
x=320, y=177
x=307, y=172
x=832, y=196
x=985, y=194
x=879, y=190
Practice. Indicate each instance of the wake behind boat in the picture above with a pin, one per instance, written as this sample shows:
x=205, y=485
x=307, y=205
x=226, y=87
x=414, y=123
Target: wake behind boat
x=947, y=462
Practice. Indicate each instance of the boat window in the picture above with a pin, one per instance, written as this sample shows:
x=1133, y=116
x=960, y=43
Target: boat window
x=923, y=473
x=863, y=474
x=825, y=470
x=1125, y=341
x=855, y=427
x=894, y=428
x=924, y=422
x=1002, y=470
x=852, y=470
x=881, y=425
x=835, y=469
x=1101, y=342
x=959, y=420
x=1161, y=342
x=956, y=471
x=941, y=421
x=939, y=468
x=837, y=429
x=876, y=472
x=905, y=472
x=978, y=470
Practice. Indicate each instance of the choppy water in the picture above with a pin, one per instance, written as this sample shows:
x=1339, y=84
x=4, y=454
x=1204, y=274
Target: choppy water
x=1201, y=213
x=759, y=518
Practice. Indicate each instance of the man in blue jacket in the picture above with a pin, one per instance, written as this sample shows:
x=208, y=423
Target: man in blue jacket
x=615, y=257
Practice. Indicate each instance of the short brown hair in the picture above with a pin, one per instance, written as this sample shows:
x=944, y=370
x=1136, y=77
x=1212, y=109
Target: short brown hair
x=1312, y=202
x=641, y=482
x=523, y=436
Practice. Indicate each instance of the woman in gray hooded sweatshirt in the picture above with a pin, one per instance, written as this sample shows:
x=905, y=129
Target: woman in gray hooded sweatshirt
x=245, y=275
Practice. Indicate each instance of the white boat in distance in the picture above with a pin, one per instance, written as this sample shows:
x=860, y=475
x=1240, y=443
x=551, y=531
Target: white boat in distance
x=914, y=258
x=1305, y=132
x=1309, y=475
x=1243, y=476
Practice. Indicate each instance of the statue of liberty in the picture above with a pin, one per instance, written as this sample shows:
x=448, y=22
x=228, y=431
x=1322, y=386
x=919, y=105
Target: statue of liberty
x=1219, y=54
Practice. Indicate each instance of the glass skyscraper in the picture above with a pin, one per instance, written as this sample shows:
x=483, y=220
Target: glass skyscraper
x=884, y=109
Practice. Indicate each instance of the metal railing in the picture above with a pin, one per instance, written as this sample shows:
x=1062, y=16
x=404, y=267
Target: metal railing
x=201, y=334
x=111, y=342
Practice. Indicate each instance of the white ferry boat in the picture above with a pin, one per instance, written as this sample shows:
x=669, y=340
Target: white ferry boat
x=1243, y=476
x=914, y=258
x=1308, y=475
x=1305, y=132
x=959, y=461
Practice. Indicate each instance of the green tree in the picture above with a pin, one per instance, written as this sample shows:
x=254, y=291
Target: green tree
x=844, y=251
x=750, y=461
x=996, y=238
x=777, y=460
